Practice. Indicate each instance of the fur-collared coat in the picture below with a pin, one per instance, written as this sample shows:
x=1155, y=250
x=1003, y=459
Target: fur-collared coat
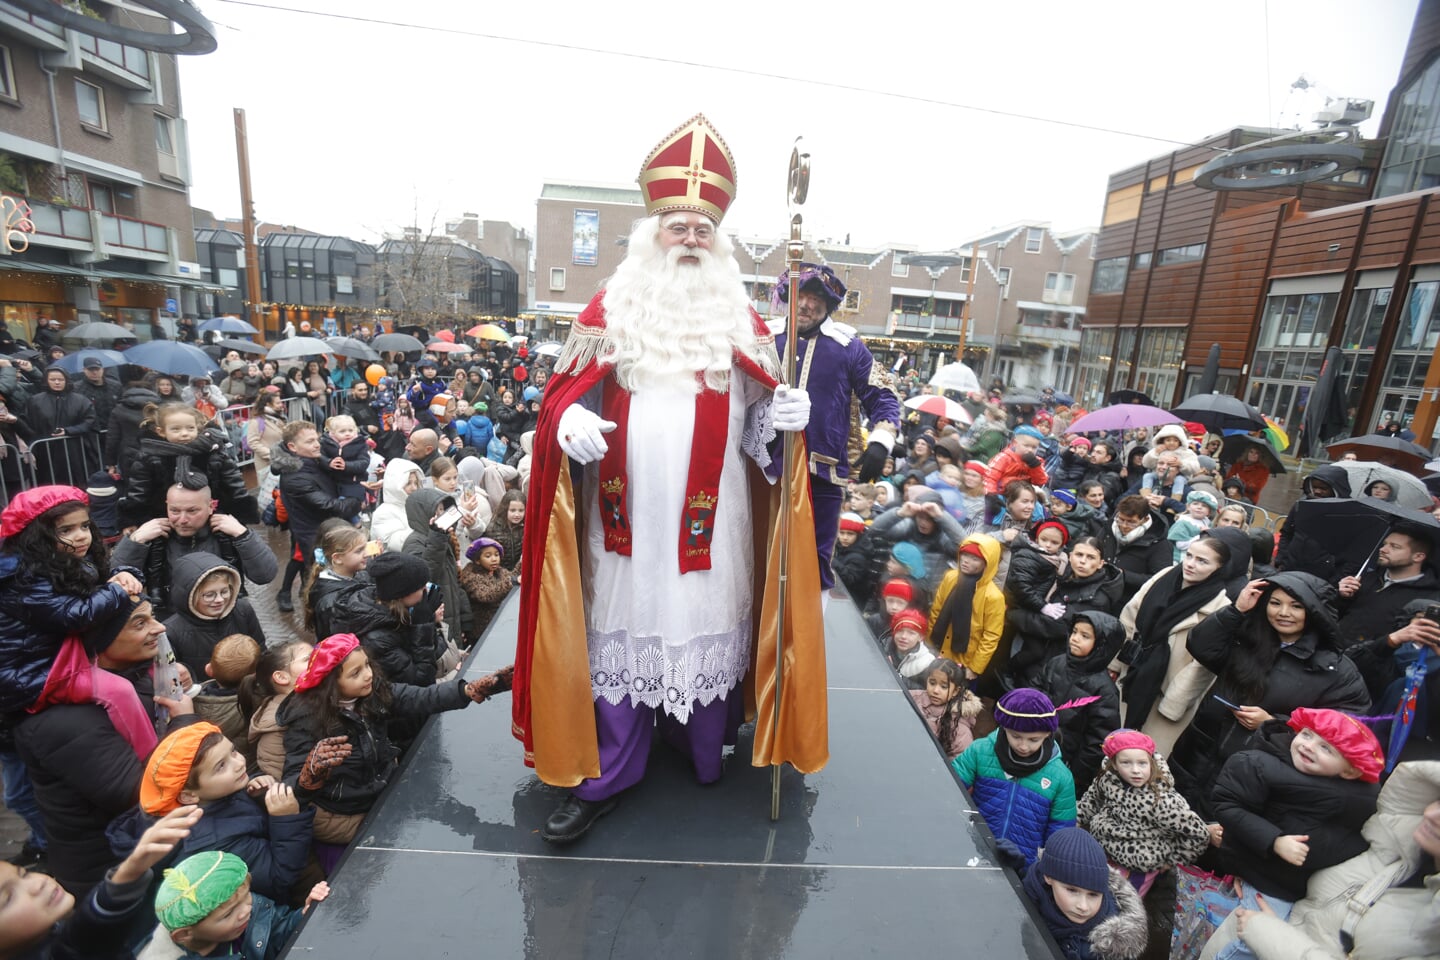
x=1142, y=828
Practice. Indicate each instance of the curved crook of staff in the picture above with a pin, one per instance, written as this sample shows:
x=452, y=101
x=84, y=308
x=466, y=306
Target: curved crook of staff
x=798, y=185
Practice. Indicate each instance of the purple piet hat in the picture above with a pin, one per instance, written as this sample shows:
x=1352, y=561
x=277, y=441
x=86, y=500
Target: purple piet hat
x=818, y=277
x=472, y=552
x=1026, y=710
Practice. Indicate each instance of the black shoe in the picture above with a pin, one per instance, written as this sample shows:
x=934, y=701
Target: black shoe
x=28, y=856
x=284, y=603
x=573, y=817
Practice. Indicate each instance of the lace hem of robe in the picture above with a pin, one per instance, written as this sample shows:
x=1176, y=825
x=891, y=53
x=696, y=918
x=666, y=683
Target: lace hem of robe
x=675, y=678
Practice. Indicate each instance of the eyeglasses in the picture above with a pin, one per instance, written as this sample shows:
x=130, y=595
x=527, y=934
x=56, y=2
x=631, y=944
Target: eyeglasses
x=210, y=596
x=1126, y=523
x=703, y=232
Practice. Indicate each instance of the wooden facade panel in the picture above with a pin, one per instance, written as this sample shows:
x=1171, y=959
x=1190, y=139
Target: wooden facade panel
x=1102, y=308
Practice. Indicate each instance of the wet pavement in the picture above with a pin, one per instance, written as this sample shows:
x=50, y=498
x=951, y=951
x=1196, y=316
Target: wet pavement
x=864, y=858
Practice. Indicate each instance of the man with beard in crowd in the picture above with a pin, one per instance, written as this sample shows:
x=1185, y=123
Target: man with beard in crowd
x=662, y=394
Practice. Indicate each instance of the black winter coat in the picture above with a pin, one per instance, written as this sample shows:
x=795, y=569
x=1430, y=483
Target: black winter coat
x=439, y=551
x=122, y=434
x=1143, y=557
x=1308, y=673
x=192, y=636
x=103, y=396
x=1069, y=471
x=310, y=494
x=1067, y=677
x=162, y=464
x=330, y=594
x=1108, y=476
x=1101, y=591
x=1260, y=796
x=47, y=411
x=854, y=566
x=406, y=652
x=1298, y=550
x=1372, y=613
x=357, y=782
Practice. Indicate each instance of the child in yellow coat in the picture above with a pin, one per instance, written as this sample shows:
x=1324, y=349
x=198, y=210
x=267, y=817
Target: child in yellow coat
x=969, y=609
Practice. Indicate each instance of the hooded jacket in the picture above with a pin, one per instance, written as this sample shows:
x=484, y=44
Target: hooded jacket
x=1120, y=936
x=406, y=652
x=440, y=552
x=249, y=553
x=193, y=635
x=210, y=458
x=1102, y=591
x=987, y=610
x=1067, y=677
x=310, y=494
x=1310, y=672
x=1298, y=550
x=388, y=523
x=47, y=410
x=1259, y=796
x=123, y=434
x=1189, y=459
x=1402, y=919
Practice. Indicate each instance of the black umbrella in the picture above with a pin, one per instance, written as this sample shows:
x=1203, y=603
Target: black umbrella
x=1352, y=530
x=1210, y=376
x=242, y=346
x=1383, y=448
x=1325, y=407
x=1237, y=443
x=1432, y=483
x=1129, y=396
x=397, y=343
x=1219, y=412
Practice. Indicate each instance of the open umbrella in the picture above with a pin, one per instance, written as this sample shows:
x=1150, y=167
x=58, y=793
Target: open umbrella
x=1409, y=491
x=1130, y=396
x=226, y=324
x=73, y=363
x=172, y=357
x=956, y=376
x=1022, y=400
x=489, y=331
x=242, y=346
x=1121, y=416
x=352, y=348
x=98, y=330
x=1432, y=483
x=397, y=343
x=1352, y=530
x=1415, y=675
x=1236, y=444
x=445, y=346
x=1386, y=449
x=296, y=348
x=447, y=335
x=1063, y=398
x=1220, y=412
x=551, y=348
x=940, y=407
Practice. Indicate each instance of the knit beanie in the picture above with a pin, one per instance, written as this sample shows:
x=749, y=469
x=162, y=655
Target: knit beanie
x=473, y=551
x=912, y=618
x=398, y=575
x=102, y=633
x=1205, y=496
x=1073, y=857
x=978, y=466
x=910, y=558
x=1025, y=430
x=852, y=522
x=168, y=769
x=1352, y=739
x=1052, y=525
x=1127, y=739
x=1026, y=710
x=1064, y=496
x=1080, y=442
x=900, y=589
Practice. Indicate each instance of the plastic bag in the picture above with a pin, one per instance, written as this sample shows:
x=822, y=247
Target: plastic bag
x=167, y=672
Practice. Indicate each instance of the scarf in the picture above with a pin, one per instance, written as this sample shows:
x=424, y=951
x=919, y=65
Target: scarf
x=1020, y=767
x=958, y=609
x=1168, y=602
x=75, y=679
x=1073, y=938
x=1125, y=539
x=702, y=484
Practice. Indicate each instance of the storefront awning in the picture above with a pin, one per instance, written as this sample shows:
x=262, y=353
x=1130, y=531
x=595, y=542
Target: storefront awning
x=53, y=269
x=93, y=273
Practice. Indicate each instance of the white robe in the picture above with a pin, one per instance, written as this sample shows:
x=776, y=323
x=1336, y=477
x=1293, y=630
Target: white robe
x=660, y=638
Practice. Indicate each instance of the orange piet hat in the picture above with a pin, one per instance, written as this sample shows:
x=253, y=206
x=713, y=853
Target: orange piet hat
x=168, y=768
x=692, y=170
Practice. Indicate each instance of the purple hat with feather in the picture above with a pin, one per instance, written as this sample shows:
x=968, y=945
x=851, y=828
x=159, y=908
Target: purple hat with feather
x=1026, y=710
x=815, y=277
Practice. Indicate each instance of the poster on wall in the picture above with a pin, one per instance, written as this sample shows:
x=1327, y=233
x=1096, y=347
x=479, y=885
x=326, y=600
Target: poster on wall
x=585, y=242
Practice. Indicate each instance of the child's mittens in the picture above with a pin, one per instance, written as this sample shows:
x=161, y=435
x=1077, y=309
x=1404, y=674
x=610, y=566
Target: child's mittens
x=498, y=682
x=324, y=757
x=1053, y=610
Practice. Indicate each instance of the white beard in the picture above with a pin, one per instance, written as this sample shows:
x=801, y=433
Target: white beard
x=667, y=322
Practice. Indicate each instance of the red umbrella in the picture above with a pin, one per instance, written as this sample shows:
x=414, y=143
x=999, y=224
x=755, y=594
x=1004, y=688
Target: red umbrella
x=445, y=346
x=940, y=407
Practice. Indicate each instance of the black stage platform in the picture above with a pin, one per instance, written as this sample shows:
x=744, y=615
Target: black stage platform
x=874, y=856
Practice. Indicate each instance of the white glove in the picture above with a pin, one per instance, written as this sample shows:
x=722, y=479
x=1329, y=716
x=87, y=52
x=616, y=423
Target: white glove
x=1053, y=610
x=581, y=434
x=791, y=409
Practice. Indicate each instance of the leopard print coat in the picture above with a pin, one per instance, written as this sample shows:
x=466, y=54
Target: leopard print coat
x=1139, y=828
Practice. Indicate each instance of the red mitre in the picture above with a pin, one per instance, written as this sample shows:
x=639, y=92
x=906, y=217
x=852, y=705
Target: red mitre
x=691, y=169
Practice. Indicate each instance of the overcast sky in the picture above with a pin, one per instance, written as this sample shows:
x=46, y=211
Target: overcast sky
x=361, y=128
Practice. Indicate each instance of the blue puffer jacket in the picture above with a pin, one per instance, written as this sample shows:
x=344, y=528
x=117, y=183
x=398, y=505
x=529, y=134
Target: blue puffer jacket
x=1024, y=811
x=275, y=849
x=34, y=619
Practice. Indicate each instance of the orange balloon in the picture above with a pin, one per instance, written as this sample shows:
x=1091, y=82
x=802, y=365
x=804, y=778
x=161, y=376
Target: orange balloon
x=373, y=373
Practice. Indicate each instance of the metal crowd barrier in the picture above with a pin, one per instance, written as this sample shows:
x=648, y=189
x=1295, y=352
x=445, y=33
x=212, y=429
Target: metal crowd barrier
x=68, y=460
x=235, y=419
x=17, y=472
x=1259, y=516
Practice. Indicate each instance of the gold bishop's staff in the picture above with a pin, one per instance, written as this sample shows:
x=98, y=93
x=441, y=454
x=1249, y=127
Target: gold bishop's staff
x=797, y=187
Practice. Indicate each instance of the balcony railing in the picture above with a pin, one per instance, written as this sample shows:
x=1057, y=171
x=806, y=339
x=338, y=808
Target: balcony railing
x=69, y=223
x=120, y=231
x=26, y=17
x=132, y=59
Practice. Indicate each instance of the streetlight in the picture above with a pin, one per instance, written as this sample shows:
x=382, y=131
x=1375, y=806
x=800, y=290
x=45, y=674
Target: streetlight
x=936, y=264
